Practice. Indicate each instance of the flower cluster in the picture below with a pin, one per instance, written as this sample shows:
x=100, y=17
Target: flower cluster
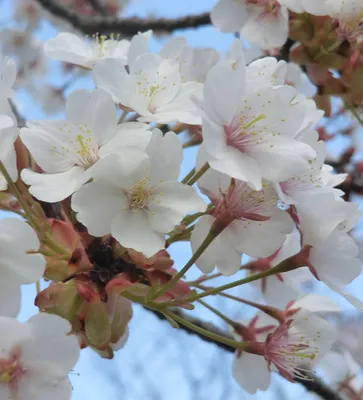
x=102, y=202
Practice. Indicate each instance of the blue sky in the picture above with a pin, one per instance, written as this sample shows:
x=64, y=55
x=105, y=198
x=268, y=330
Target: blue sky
x=157, y=362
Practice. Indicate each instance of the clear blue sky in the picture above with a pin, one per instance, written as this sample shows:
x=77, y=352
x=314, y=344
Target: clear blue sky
x=157, y=362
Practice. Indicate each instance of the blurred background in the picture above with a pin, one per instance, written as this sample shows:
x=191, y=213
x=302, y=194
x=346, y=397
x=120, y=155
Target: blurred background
x=159, y=362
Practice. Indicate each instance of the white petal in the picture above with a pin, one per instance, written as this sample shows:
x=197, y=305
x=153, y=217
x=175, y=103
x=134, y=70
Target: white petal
x=17, y=237
x=12, y=333
x=5, y=122
x=271, y=234
x=69, y=48
x=133, y=231
x=57, y=347
x=166, y=154
x=251, y=372
x=171, y=201
x=183, y=106
x=239, y=166
x=54, y=187
x=223, y=88
x=97, y=204
x=45, y=143
x=101, y=114
x=229, y=15
x=207, y=261
x=316, y=303
x=123, y=170
x=267, y=32
x=127, y=134
x=10, y=297
x=110, y=75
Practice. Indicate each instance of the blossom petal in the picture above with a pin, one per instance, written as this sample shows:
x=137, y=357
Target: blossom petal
x=251, y=372
x=171, y=201
x=96, y=204
x=110, y=75
x=207, y=261
x=133, y=231
x=57, y=347
x=166, y=154
x=54, y=187
x=70, y=48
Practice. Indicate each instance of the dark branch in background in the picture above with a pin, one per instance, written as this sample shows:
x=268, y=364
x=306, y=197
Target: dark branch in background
x=126, y=27
x=311, y=383
x=96, y=6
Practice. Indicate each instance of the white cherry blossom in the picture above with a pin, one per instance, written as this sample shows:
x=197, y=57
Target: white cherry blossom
x=294, y=345
x=194, y=63
x=317, y=179
x=7, y=76
x=321, y=7
x=248, y=214
x=17, y=266
x=250, y=134
x=36, y=358
x=70, y=48
x=153, y=89
x=68, y=151
x=262, y=22
x=297, y=77
x=137, y=198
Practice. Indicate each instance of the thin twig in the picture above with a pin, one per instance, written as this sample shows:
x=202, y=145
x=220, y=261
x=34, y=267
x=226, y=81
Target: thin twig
x=127, y=27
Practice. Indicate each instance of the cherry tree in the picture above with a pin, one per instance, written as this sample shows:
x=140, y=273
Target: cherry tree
x=97, y=200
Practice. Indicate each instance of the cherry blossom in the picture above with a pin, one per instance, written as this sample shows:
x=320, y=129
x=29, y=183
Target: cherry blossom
x=70, y=48
x=153, y=88
x=249, y=134
x=17, y=266
x=321, y=7
x=68, y=151
x=143, y=197
x=247, y=214
x=288, y=348
x=194, y=63
x=7, y=76
x=36, y=357
x=262, y=22
x=296, y=344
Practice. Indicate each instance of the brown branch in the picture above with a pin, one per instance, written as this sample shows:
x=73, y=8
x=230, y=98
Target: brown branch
x=311, y=383
x=126, y=27
x=96, y=6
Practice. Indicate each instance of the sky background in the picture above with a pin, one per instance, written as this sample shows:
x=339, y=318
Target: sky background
x=158, y=362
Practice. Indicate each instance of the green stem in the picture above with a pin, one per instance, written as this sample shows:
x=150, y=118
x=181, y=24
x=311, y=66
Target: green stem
x=284, y=266
x=220, y=315
x=205, y=332
x=198, y=174
x=188, y=176
x=180, y=236
x=18, y=195
x=213, y=233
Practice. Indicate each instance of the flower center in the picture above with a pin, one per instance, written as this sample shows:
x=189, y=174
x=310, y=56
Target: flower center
x=140, y=195
x=101, y=45
x=241, y=134
x=270, y=7
x=243, y=203
x=11, y=370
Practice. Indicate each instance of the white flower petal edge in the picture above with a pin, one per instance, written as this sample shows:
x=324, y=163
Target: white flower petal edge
x=37, y=357
x=138, y=196
x=68, y=151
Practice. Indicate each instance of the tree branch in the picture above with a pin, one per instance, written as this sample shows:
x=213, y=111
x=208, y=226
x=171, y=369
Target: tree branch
x=126, y=27
x=311, y=383
x=96, y=6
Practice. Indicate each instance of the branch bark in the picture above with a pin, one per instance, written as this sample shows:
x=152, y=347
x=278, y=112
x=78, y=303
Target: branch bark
x=126, y=27
x=311, y=383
